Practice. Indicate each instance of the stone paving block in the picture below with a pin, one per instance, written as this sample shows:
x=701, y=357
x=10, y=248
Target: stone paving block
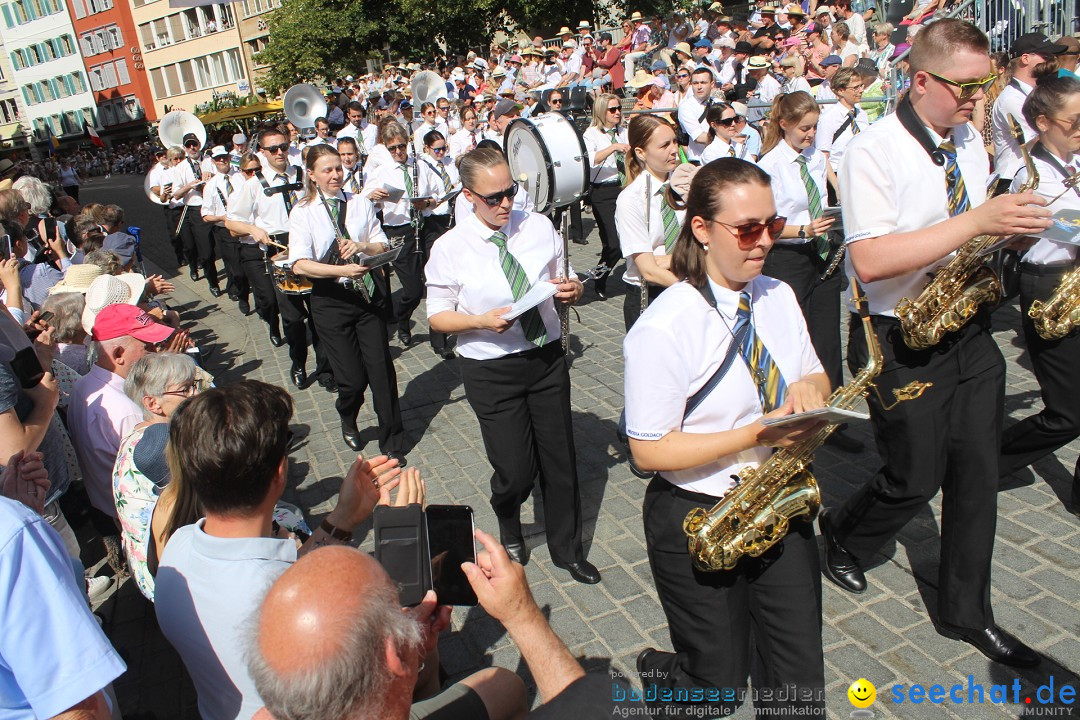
x=895, y=613
x=617, y=632
x=1059, y=614
x=645, y=612
x=621, y=585
x=868, y=633
x=852, y=661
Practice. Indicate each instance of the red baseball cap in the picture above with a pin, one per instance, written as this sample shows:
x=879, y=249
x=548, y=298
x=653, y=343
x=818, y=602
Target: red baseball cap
x=119, y=320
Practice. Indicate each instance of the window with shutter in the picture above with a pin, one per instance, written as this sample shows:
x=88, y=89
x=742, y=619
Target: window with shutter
x=26, y=96
x=87, y=45
x=8, y=20
x=109, y=73
x=173, y=80
x=80, y=82
x=95, y=79
x=117, y=37
x=80, y=8
x=122, y=71
x=187, y=76
x=15, y=62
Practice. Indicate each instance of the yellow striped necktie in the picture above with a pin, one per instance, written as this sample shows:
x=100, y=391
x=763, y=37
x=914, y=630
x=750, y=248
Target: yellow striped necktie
x=770, y=383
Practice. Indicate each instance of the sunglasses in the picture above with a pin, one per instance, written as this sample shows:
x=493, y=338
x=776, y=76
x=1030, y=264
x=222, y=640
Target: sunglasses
x=495, y=199
x=395, y=148
x=192, y=146
x=682, y=76
x=614, y=109
x=275, y=149
x=555, y=101
x=726, y=122
x=749, y=234
x=967, y=89
x=439, y=149
x=250, y=171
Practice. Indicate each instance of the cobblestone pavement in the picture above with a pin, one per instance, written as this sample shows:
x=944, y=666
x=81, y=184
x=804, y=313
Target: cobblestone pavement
x=884, y=635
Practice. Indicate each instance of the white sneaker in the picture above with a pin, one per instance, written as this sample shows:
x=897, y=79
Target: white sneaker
x=98, y=587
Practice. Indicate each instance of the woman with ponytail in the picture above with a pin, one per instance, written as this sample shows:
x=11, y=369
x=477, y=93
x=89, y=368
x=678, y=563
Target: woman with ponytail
x=647, y=224
x=803, y=251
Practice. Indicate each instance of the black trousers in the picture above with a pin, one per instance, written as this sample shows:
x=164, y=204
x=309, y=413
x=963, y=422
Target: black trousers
x=195, y=234
x=947, y=439
x=255, y=266
x=773, y=601
x=172, y=221
x=228, y=249
x=1055, y=366
x=603, y=199
x=354, y=339
x=409, y=268
x=433, y=229
x=296, y=322
x=522, y=402
x=631, y=309
x=800, y=267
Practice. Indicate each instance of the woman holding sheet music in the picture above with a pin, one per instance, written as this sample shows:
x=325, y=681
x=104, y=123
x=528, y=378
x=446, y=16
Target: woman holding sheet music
x=328, y=230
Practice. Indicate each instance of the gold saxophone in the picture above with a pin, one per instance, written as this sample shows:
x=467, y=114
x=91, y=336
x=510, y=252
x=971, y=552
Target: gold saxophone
x=1060, y=315
x=758, y=511
x=957, y=289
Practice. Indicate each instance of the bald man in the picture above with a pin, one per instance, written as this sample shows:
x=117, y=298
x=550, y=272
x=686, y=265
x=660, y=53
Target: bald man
x=333, y=620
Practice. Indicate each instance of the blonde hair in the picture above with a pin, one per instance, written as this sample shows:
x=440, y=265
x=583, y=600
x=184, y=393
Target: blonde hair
x=639, y=133
x=599, y=109
x=315, y=152
x=789, y=108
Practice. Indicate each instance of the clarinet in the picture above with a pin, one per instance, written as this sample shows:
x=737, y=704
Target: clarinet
x=414, y=214
x=648, y=231
x=564, y=309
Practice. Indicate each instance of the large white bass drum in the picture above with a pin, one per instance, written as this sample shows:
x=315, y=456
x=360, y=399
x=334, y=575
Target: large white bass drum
x=550, y=153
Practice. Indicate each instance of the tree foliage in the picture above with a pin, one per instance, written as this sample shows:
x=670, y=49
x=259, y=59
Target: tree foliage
x=313, y=40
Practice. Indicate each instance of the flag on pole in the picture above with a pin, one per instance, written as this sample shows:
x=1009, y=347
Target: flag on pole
x=94, y=137
x=54, y=144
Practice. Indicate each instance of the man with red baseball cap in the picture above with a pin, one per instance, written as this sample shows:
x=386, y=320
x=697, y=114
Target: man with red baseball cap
x=99, y=413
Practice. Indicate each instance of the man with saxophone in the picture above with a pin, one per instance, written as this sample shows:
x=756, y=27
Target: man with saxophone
x=913, y=189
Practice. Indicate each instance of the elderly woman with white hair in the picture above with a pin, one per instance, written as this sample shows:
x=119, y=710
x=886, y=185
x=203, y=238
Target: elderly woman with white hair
x=158, y=383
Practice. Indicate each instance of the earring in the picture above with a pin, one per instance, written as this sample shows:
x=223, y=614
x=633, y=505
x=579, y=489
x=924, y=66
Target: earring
x=705, y=247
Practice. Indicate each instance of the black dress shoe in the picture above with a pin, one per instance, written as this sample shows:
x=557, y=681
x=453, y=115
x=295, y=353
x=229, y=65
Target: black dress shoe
x=350, y=434
x=244, y=307
x=327, y=382
x=216, y=292
x=994, y=643
x=233, y=295
x=839, y=566
x=518, y=552
x=193, y=273
x=404, y=337
x=642, y=661
x=299, y=376
x=402, y=461
x=275, y=338
x=843, y=441
x=601, y=292
x=580, y=241
x=582, y=571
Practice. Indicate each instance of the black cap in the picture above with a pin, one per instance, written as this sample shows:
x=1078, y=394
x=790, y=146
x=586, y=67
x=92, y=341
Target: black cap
x=191, y=137
x=1036, y=43
x=744, y=47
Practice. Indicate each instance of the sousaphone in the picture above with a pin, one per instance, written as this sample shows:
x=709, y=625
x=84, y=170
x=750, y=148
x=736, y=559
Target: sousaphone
x=427, y=86
x=303, y=105
x=178, y=123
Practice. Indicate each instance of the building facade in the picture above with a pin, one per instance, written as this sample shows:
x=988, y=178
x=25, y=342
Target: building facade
x=255, y=31
x=190, y=54
x=14, y=132
x=47, y=69
x=114, y=69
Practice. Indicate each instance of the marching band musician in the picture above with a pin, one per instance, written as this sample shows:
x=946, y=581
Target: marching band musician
x=438, y=219
x=913, y=190
x=188, y=178
x=605, y=140
x=260, y=208
x=1053, y=109
x=721, y=119
x=731, y=325
x=803, y=252
x=467, y=137
x=351, y=165
x=174, y=207
x=351, y=323
x=359, y=128
x=214, y=210
x=842, y=121
x=428, y=113
x=523, y=201
x=401, y=219
x=647, y=225
x=515, y=373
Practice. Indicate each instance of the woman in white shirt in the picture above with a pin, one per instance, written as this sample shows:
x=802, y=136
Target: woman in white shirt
x=606, y=143
x=645, y=220
x=1053, y=108
x=430, y=116
x=771, y=603
x=328, y=230
x=844, y=45
x=467, y=138
x=438, y=219
x=515, y=372
x=721, y=118
x=803, y=251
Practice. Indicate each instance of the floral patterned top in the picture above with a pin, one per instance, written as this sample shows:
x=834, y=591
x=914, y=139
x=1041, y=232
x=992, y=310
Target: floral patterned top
x=135, y=497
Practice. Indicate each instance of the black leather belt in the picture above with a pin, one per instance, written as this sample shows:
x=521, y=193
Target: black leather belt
x=1046, y=270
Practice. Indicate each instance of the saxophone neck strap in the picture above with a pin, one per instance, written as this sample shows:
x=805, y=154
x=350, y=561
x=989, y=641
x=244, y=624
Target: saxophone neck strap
x=1040, y=151
x=733, y=349
x=911, y=122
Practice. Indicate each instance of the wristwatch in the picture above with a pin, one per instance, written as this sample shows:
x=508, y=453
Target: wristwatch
x=334, y=532
x=802, y=232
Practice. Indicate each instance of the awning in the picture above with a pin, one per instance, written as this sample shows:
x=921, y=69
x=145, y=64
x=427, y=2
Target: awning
x=241, y=113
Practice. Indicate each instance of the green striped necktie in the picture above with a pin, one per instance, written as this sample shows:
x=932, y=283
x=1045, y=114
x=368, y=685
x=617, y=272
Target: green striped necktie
x=531, y=322
x=813, y=197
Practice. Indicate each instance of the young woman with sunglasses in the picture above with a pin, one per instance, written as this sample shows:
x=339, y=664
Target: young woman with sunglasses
x=467, y=137
x=771, y=603
x=402, y=219
x=804, y=251
x=647, y=225
x=1053, y=109
x=606, y=142
x=721, y=119
x=429, y=116
x=352, y=324
x=438, y=219
x=516, y=377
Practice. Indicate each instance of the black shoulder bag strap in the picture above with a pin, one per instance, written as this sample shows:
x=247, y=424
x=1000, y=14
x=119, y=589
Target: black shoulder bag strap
x=840, y=130
x=906, y=114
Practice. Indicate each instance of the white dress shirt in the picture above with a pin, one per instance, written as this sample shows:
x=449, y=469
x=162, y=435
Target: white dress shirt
x=393, y=175
x=721, y=148
x=379, y=156
x=788, y=188
x=430, y=166
x=635, y=234
x=595, y=141
x=182, y=174
x=692, y=120
x=832, y=117
x=311, y=230
x=419, y=133
x=250, y=204
x=464, y=274
x=367, y=131
x=678, y=344
x=1007, y=157
x=1051, y=184
x=216, y=194
x=463, y=141
x=767, y=90
x=889, y=184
